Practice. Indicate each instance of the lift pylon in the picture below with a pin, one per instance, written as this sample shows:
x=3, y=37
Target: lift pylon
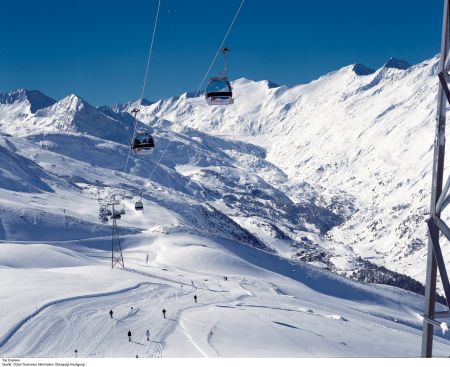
x=116, y=248
x=440, y=198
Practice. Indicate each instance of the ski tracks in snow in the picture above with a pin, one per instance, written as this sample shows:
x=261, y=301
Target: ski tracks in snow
x=82, y=322
x=14, y=329
x=61, y=326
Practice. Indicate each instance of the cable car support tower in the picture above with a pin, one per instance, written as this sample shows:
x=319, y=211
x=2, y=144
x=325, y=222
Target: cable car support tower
x=116, y=248
x=440, y=198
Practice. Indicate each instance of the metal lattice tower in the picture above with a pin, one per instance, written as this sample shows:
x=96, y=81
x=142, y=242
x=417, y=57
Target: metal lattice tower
x=66, y=221
x=439, y=200
x=116, y=248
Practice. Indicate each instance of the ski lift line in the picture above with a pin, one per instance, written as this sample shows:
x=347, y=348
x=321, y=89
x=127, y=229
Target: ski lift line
x=166, y=41
x=196, y=94
x=143, y=88
x=151, y=49
x=167, y=33
x=201, y=83
x=221, y=46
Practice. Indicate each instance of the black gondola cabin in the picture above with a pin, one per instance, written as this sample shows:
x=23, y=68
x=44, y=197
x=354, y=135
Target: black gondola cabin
x=142, y=142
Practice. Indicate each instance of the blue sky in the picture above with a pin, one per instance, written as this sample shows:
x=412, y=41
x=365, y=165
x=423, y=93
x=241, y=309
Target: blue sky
x=97, y=49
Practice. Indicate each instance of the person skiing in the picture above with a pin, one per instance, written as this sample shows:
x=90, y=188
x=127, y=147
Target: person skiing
x=195, y=298
x=129, y=335
x=164, y=312
x=148, y=335
x=111, y=313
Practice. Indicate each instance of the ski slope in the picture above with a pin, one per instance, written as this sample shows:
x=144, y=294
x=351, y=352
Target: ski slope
x=268, y=307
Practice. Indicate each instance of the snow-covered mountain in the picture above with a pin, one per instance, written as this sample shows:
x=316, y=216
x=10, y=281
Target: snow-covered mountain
x=361, y=138
x=345, y=157
x=27, y=101
x=334, y=173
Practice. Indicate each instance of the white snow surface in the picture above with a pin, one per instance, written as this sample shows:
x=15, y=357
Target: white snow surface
x=324, y=172
x=361, y=141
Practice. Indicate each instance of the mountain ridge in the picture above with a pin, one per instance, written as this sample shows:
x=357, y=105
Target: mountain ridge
x=330, y=147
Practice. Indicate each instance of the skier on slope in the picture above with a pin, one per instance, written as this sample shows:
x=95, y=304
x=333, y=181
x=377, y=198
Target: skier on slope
x=148, y=335
x=195, y=298
x=111, y=313
x=129, y=335
x=164, y=312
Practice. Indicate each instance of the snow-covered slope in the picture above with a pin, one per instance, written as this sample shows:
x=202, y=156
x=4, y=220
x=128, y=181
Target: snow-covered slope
x=358, y=136
x=25, y=101
x=266, y=307
x=345, y=157
x=322, y=173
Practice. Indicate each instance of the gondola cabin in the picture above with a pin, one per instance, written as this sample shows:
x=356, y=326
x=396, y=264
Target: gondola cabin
x=116, y=215
x=143, y=142
x=103, y=218
x=219, y=92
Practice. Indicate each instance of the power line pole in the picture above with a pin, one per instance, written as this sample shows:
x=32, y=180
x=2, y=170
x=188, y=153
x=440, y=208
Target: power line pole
x=439, y=200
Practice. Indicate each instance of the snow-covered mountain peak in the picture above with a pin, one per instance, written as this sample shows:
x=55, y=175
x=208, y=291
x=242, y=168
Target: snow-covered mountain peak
x=74, y=114
x=145, y=102
x=72, y=102
x=69, y=105
x=130, y=105
x=33, y=99
x=244, y=81
x=393, y=63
